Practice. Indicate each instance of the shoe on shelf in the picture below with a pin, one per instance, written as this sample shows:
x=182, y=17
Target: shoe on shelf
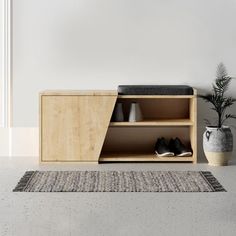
x=162, y=149
x=179, y=149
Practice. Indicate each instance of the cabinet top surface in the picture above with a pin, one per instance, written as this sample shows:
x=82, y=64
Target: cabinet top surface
x=80, y=92
x=104, y=93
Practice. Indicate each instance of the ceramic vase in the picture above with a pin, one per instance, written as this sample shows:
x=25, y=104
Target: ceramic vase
x=135, y=113
x=118, y=114
x=218, y=145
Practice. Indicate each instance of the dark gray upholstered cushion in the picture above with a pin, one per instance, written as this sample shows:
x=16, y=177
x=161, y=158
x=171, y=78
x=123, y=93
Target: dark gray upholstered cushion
x=155, y=90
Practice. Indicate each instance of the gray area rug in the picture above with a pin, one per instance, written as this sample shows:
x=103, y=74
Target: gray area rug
x=118, y=181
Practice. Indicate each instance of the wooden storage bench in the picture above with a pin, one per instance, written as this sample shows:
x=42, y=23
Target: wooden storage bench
x=75, y=126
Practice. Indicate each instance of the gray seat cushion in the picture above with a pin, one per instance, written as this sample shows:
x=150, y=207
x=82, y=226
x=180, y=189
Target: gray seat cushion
x=155, y=90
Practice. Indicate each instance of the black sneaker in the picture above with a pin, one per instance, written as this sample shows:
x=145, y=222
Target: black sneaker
x=162, y=149
x=180, y=150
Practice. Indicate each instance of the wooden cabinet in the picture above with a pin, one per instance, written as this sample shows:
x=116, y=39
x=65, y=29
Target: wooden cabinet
x=74, y=124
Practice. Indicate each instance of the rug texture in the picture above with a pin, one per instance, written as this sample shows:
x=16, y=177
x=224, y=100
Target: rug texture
x=118, y=181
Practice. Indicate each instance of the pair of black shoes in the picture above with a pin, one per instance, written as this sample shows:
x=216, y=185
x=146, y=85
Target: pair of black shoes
x=174, y=148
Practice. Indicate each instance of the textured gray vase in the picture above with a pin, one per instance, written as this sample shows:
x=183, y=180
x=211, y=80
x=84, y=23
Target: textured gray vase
x=118, y=114
x=218, y=145
x=135, y=113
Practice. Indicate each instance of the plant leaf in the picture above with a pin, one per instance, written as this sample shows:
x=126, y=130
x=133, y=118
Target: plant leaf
x=217, y=98
x=221, y=71
x=207, y=122
x=227, y=116
x=229, y=101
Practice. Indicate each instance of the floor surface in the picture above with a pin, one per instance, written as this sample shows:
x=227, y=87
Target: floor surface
x=115, y=214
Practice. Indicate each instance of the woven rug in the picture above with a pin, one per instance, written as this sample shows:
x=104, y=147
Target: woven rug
x=118, y=181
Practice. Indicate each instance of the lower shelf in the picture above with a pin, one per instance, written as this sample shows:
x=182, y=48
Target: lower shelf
x=142, y=158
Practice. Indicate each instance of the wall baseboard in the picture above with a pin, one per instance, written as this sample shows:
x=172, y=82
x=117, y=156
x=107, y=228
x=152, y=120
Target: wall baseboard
x=24, y=141
x=4, y=143
x=19, y=141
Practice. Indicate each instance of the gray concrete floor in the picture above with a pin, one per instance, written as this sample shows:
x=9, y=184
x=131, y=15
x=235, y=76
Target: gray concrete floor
x=115, y=214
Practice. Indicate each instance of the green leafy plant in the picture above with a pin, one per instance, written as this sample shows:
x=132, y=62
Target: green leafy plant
x=217, y=97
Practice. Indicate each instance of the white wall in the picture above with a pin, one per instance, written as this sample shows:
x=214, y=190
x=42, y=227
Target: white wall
x=99, y=44
x=1, y=63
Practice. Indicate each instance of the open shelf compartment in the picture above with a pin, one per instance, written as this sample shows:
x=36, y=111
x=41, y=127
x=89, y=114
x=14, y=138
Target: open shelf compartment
x=138, y=143
x=169, y=111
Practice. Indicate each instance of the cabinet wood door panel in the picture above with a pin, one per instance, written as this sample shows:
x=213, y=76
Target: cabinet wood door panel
x=73, y=128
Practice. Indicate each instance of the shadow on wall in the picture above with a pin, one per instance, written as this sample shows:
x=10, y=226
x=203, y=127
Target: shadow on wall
x=205, y=112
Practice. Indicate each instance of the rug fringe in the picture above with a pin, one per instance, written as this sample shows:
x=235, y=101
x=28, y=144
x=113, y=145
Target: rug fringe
x=23, y=181
x=213, y=181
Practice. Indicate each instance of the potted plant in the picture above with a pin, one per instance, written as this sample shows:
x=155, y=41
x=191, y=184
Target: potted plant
x=218, y=138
